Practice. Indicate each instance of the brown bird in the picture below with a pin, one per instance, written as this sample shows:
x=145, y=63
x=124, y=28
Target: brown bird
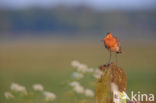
x=112, y=44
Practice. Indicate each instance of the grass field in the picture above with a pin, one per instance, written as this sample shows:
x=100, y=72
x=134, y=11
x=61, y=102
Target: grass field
x=49, y=63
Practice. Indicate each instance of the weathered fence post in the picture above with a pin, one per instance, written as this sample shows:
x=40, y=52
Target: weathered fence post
x=110, y=73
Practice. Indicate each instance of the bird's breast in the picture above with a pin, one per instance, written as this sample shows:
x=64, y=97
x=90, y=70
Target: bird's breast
x=110, y=43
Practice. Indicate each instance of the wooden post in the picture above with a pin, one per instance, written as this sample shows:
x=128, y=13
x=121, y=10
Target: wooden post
x=111, y=73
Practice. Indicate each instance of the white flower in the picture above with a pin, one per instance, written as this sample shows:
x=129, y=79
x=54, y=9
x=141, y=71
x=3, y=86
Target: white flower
x=75, y=63
x=97, y=73
x=89, y=93
x=8, y=95
x=82, y=68
x=78, y=89
x=77, y=75
x=74, y=83
x=38, y=87
x=49, y=96
x=18, y=88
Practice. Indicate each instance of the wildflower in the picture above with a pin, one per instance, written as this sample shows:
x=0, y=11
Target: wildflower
x=49, y=96
x=18, y=88
x=97, y=73
x=77, y=75
x=82, y=68
x=79, y=89
x=75, y=63
x=89, y=93
x=74, y=83
x=38, y=87
x=8, y=95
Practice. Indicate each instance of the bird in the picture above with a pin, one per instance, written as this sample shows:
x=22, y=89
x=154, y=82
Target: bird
x=112, y=43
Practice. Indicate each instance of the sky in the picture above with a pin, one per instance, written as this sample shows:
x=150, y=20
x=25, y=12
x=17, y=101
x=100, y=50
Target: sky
x=97, y=4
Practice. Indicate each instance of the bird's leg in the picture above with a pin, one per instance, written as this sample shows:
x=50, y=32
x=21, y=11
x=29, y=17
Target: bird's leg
x=109, y=62
x=116, y=56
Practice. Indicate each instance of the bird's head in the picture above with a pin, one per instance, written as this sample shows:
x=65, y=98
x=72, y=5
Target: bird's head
x=108, y=35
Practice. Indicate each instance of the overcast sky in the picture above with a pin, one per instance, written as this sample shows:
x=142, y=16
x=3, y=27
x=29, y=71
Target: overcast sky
x=98, y=4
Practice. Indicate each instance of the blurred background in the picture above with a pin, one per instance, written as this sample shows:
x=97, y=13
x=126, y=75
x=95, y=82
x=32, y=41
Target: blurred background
x=40, y=38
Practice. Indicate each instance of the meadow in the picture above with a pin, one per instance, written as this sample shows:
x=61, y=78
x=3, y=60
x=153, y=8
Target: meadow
x=49, y=63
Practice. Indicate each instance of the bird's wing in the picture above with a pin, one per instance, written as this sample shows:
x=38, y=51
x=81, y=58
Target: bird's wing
x=119, y=45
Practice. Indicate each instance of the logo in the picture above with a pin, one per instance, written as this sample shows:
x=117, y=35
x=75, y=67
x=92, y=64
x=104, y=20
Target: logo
x=122, y=97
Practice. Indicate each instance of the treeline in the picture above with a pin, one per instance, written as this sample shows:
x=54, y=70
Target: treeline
x=75, y=19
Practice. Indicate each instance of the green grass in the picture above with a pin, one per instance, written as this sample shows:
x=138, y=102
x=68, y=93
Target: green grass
x=49, y=64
